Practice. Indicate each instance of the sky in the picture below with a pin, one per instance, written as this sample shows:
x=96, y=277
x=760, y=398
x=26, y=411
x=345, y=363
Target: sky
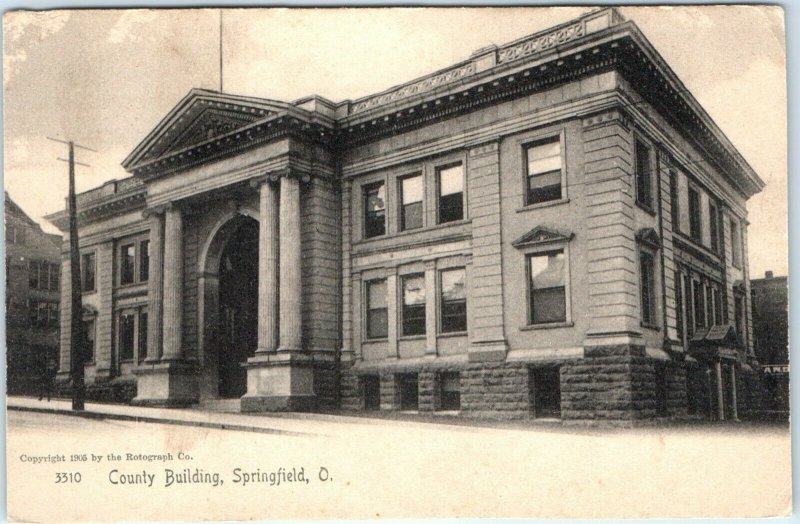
x=105, y=78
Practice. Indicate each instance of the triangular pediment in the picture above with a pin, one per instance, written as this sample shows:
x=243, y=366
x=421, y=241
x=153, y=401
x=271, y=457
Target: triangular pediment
x=541, y=235
x=201, y=116
x=648, y=235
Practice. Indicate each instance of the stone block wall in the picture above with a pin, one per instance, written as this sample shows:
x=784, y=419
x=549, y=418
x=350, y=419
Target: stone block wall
x=495, y=390
x=676, y=389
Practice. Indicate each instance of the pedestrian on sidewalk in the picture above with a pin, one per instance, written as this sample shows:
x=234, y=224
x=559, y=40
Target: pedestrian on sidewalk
x=47, y=383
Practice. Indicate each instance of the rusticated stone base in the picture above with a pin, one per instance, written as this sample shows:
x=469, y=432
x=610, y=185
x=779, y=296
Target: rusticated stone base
x=611, y=385
x=167, y=384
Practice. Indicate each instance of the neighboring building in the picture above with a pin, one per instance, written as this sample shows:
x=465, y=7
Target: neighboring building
x=33, y=264
x=553, y=227
x=771, y=338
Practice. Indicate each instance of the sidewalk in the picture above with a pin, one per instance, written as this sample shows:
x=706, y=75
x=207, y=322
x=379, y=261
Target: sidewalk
x=293, y=424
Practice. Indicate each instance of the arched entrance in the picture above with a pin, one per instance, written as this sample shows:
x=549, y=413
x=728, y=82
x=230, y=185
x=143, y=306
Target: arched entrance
x=238, y=307
x=228, y=304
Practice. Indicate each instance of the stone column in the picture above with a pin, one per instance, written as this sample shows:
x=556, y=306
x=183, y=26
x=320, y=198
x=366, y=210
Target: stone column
x=173, y=285
x=720, y=392
x=734, y=409
x=290, y=265
x=268, y=269
x=155, y=286
x=431, y=294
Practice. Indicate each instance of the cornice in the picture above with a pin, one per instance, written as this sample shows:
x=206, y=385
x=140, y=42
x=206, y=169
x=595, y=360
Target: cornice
x=100, y=209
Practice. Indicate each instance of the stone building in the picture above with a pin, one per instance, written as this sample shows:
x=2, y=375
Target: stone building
x=32, y=294
x=552, y=227
x=770, y=296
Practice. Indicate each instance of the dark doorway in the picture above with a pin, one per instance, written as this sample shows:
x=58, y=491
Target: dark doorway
x=238, y=308
x=372, y=392
x=409, y=392
x=545, y=391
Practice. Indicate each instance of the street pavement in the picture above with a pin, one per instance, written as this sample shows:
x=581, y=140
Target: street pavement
x=374, y=467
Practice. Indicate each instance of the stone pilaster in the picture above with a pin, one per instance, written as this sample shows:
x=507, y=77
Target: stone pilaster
x=167, y=381
x=281, y=380
x=173, y=285
x=430, y=308
x=155, y=287
x=290, y=266
x=268, y=269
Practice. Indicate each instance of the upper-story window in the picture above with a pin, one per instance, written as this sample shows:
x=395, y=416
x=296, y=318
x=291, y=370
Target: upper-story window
x=547, y=289
x=144, y=260
x=374, y=210
x=736, y=244
x=451, y=193
x=413, y=305
x=674, y=200
x=695, y=228
x=377, y=309
x=699, y=303
x=88, y=270
x=713, y=216
x=43, y=275
x=127, y=264
x=134, y=259
x=43, y=314
x=453, y=300
x=544, y=171
x=644, y=190
x=411, y=190
x=647, y=270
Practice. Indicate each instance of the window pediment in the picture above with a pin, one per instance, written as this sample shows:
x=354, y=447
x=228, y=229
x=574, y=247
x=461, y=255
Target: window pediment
x=541, y=235
x=649, y=237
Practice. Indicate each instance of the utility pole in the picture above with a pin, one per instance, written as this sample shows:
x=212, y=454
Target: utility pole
x=77, y=340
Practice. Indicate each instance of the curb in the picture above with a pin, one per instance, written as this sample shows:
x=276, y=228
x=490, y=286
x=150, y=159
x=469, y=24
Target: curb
x=154, y=420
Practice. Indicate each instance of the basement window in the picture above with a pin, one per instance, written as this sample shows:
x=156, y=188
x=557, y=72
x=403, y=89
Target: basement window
x=409, y=391
x=544, y=384
x=372, y=392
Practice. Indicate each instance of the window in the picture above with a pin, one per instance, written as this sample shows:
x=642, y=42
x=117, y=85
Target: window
x=87, y=271
x=377, y=311
x=126, y=335
x=736, y=245
x=544, y=171
x=144, y=260
x=142, y=336
x=43, y=315
x=699, y=304
x=674, y=197
x=55, y=277
x=453, y=300
x=679, y=310
x=718, y=320
x=450, y=391
x=545, y=391
x=647, y=287
x=687, y=286
x=714, y=226
x=16, y=235
x=88, y=340
x=451, y=193
x=695, y=229
x=411, y=202
x=644, y=194
x=372, y=392
x=127, y=264
x=33, y=274
x=409, y=391
x=374, y=210
x=43, y=275
x=546, y=288
x=414, y=305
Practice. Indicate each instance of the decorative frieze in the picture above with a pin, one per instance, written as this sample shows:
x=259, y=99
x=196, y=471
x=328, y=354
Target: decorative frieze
x=541, y=43
x=422, y=86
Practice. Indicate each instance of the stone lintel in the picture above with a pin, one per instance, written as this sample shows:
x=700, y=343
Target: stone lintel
x=489, y=351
